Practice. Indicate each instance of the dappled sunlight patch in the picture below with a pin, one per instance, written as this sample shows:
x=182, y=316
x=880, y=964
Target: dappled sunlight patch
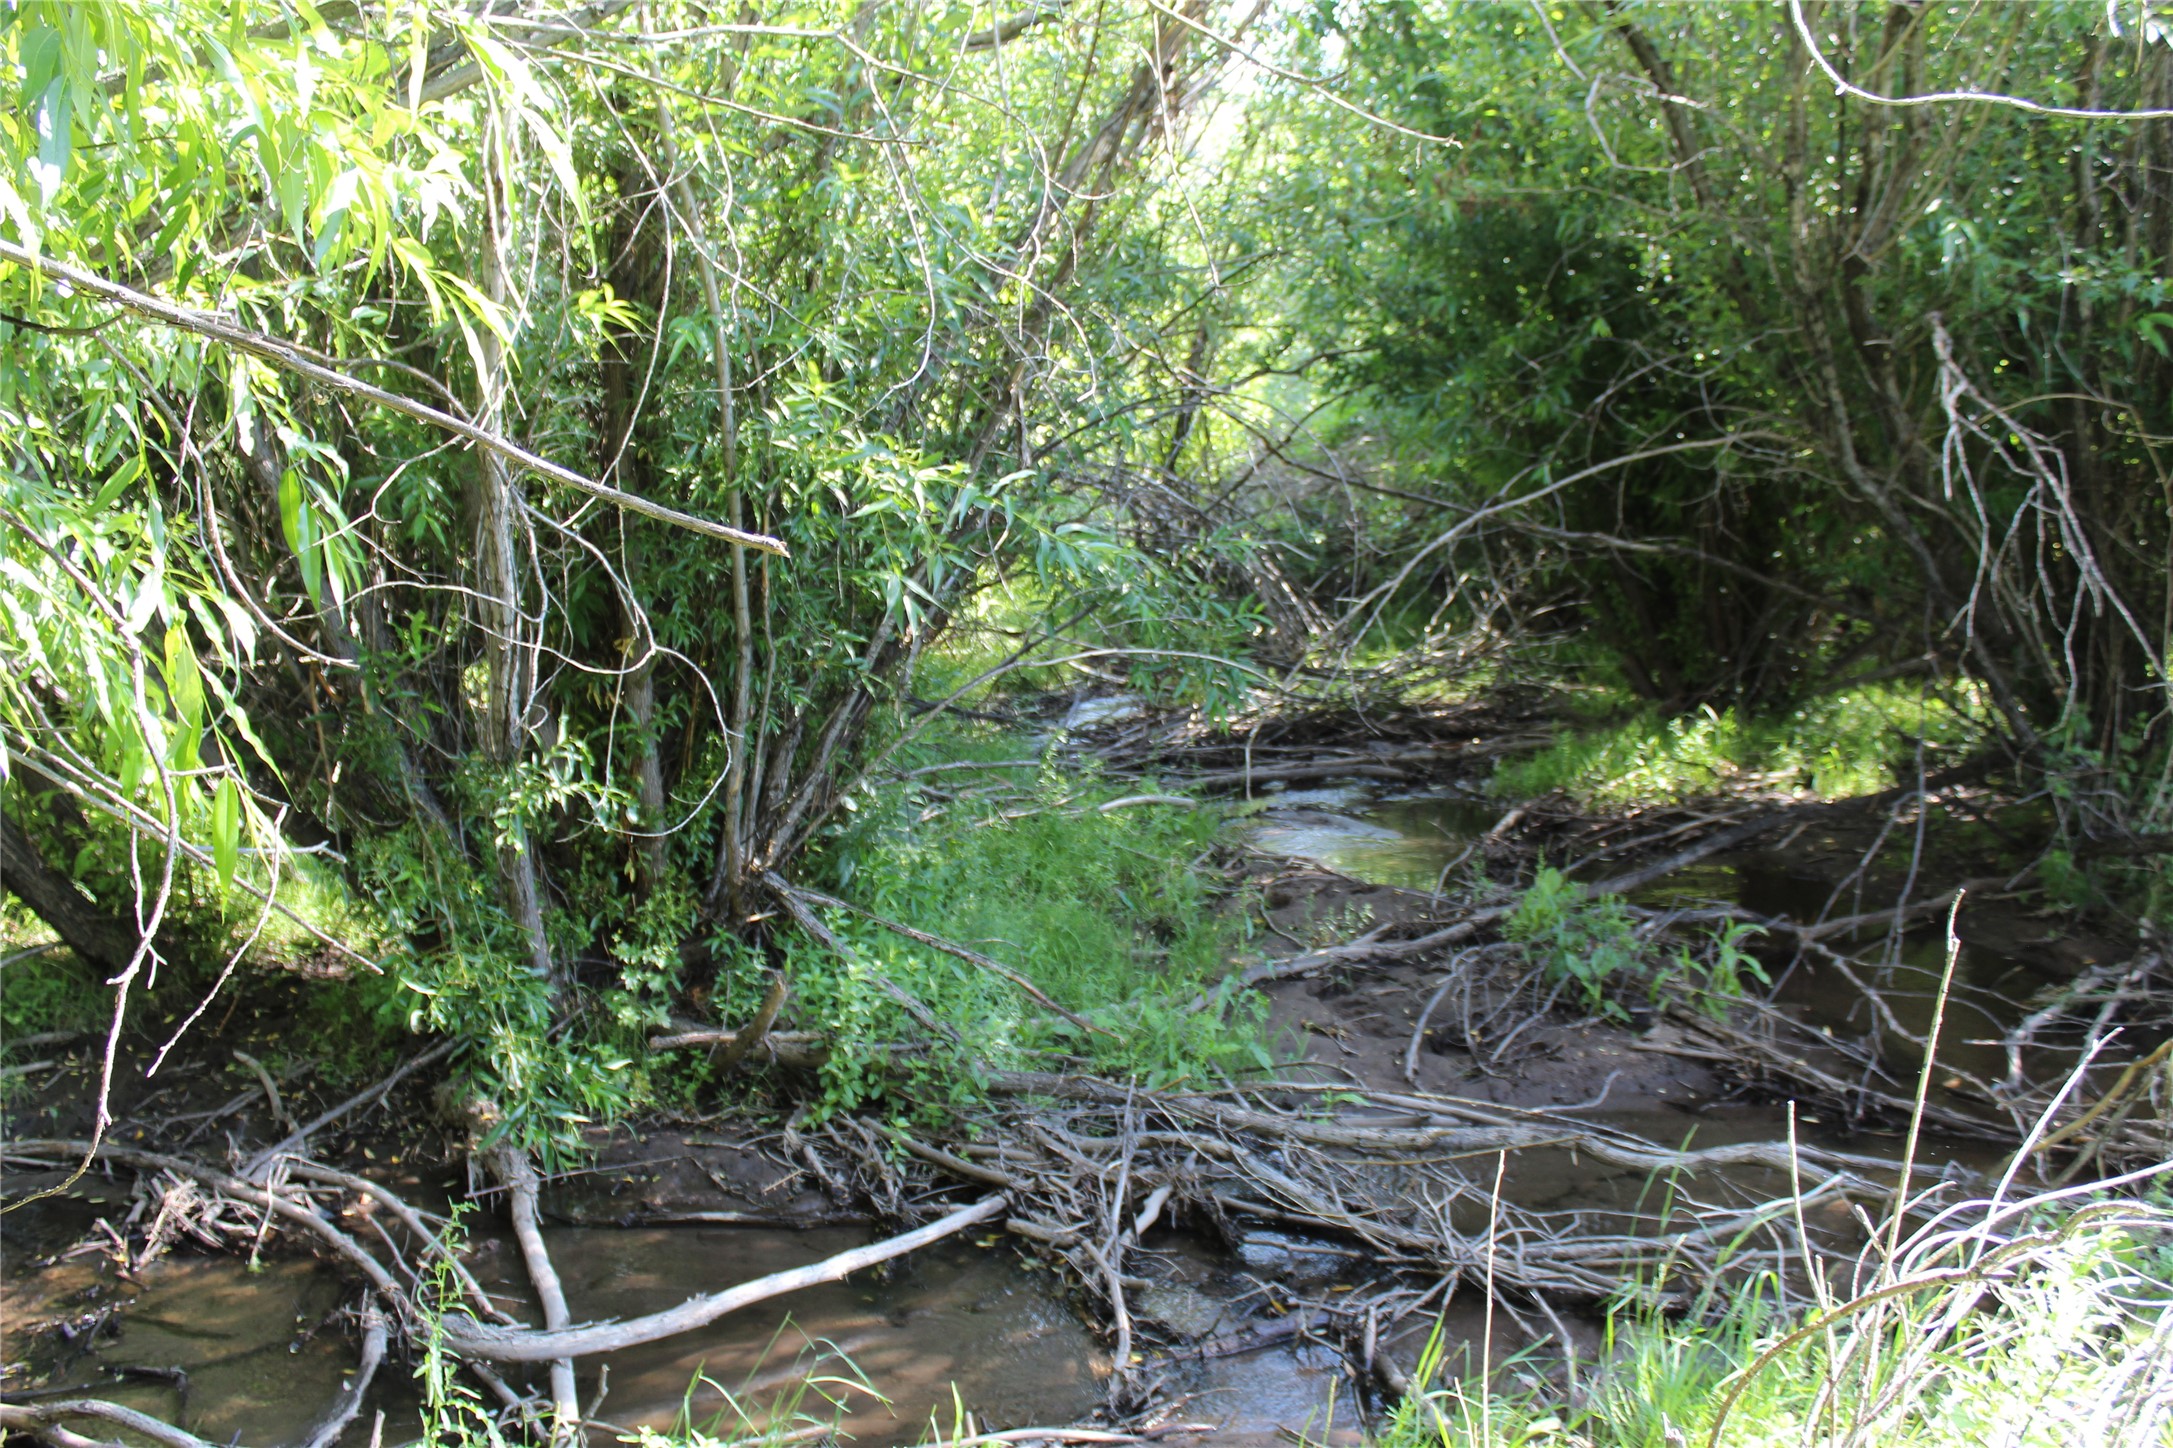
x=1847, y=744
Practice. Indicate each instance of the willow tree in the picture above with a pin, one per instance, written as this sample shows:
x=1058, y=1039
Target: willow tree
x=519, y=462
x=1783, y=346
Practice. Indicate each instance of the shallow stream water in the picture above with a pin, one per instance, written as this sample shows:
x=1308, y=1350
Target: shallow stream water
x=1410, y=839
x=889, y=1357
x=894, y=1356
x=263, y=1354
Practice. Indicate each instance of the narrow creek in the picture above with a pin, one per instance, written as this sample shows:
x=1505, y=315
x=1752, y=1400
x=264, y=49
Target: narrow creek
x=250, y=1353
x=1408, y=840
x=965, y=1325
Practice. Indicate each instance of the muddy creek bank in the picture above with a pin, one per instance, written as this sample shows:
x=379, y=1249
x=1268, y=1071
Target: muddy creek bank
x=1225, y=1318
x=238, y=1351
x=1409, y=841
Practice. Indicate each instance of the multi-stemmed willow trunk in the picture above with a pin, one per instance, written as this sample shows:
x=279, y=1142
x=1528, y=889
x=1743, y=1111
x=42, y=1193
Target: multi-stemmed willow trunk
x=548, y=545
x=795, y=747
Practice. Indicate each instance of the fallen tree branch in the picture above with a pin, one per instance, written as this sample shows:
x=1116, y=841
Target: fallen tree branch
x=1765, y=824
x=511, y=1167
x=349, y=1403
x=1384, y=764
x=44, y=1420
x=1129, y=801
x=758, y=1029
x=801, y=1050
x=1489, y=1133
x=469, y=1338
x=1711, y=845
x=1366, y=950
x=302, y=1214
x=280, y=1115
x=290, y=357
x=300, y=1136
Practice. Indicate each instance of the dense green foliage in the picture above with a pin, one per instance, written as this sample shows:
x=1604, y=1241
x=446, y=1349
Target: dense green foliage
x=785, y=277
x=1858, y=741
x=1743, y=388
x=535, y=467
x=497, y=500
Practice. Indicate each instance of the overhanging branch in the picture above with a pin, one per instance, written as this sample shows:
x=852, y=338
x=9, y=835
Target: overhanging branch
x=283, y=354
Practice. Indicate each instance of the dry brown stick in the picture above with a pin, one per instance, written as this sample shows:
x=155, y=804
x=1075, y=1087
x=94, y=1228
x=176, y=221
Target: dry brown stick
x=1132, y=800
x=1615, y=1148
x=280, y=1115
x=1418, y=1032
x=511, y=1167
x=1111, y=1258
x=2025, y=1031
x=2118, y=1089
x=1357, y=766
x=469, y=1338
x=433, y=1243
x=1070, y=1435
x=958, y=764
x=1980, y=890
x=1741, y=1048
x=1366, y=950
x=1728, y=839
x=285, y=355
x=956, y=1165
x=44, y=1419
x=801, y=1050
x=948, y=947
x=308, y=1217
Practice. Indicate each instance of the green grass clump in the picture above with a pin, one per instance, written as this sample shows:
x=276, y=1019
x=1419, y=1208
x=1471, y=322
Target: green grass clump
x=2050, y=1332
x=1108, y=913
x=1845, y=744
x=1591, y=944
x=48, y=990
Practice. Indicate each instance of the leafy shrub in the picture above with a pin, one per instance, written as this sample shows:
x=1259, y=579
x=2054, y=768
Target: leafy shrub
x=1593, y=943
x=1108, y=913
x=1577, y=939
x=1714, y=975
x=1845, y=744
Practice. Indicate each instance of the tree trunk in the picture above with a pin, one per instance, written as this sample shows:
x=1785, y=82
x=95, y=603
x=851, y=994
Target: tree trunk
x=504, y=722
x=104, y=942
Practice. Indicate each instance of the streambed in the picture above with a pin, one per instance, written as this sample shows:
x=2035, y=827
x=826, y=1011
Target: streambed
x=235, y=1351
x=1408, y=839
x=966, y=1325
